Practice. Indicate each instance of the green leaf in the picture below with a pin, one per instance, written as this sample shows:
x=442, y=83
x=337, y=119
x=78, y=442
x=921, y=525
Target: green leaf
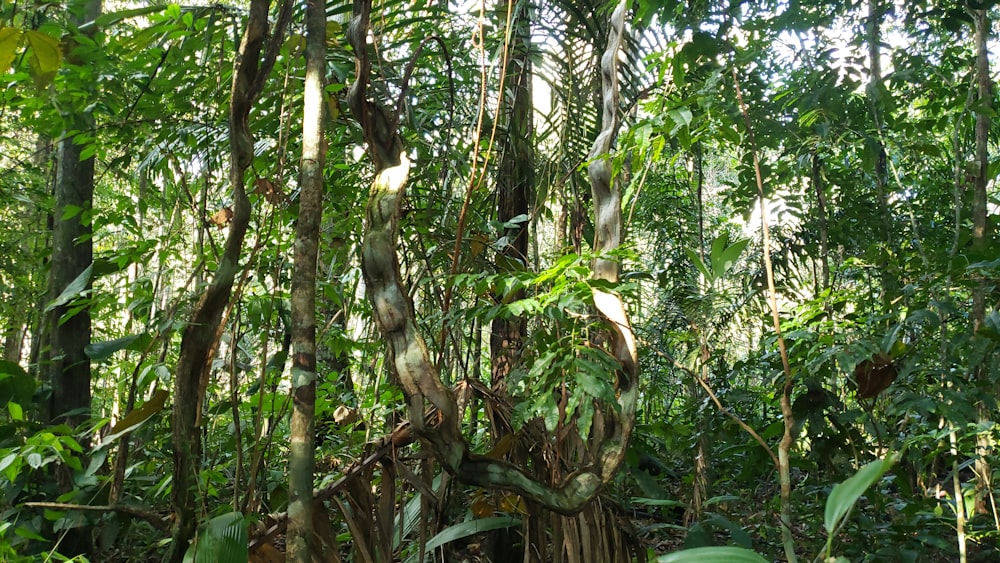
x=10, y=38
x=470, y=528
x=7, y=461
x=15, y=383
x=724, y=260
x=15, y=410
x=222, y=539
x=100, y=351
x=73, y=290
x=712, y=555
x=658, y=502
x=105, y=20
x=693, y=256
x=721, y=499
x=681, y=117
x=845, y=494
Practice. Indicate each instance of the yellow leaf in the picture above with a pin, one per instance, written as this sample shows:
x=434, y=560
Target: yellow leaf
x=9, y=40
x=138, y=416
x=482, y=507
x=45, y=57
x=502, y=447
x=45, y=51
x=512, y=503
x=478, y=244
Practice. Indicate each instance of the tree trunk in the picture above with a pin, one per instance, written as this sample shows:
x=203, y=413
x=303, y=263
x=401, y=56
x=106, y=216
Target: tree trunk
x=515, y=181
x=514, y=184
x=301, y=460
x=981, y=237
x=66, y=365
x=824, y=231
x=874, y=93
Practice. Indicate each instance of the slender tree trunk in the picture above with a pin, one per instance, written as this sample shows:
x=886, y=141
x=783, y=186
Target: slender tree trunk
x=788, y=418
x=981, y=238
x=13, y=343
x=699, y=171
x=873, y=31
x=824, y=231
x=68, y=367
x=301, y=461
x=699, y=486
x=515, y=181
x=514, y=184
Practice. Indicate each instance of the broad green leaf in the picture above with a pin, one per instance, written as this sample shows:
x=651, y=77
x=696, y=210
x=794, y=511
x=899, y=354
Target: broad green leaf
x=658, y=502
x=8, y=367
x=7, y=461
x=15, y=383
x=845, y=494
x=693, y=256
x=725, y=259
x=15, y=410
x=721, y=499
x=713, y=555
x=222, y=539
x=470, y=528
x=739, y=536
x=73, y=290
x=10, y=38
x=30, y=534
x=591, y=381
x=681, y=117
x=100, y=351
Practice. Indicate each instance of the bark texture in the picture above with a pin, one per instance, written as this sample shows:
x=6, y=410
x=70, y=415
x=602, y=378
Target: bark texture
x=300, y=545
x=514, y=186
x=981, y=238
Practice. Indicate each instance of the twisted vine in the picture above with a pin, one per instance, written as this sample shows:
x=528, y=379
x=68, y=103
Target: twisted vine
x=394, y=313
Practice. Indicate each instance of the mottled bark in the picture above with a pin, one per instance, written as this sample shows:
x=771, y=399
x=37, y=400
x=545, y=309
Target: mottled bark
x=981, y=238
x=301, y=460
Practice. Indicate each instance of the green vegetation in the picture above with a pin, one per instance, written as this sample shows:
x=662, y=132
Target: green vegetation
x=514, y=281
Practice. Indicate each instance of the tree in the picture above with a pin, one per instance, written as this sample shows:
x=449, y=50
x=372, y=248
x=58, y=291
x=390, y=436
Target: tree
x=68, y=324
x=301, y=545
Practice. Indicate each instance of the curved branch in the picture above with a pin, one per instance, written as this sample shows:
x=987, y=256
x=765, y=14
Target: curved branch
x=200, y=339
x=393, y=308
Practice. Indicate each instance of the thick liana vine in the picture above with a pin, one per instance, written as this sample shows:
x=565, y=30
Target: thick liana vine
x=394, y=313
x=200, y=339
